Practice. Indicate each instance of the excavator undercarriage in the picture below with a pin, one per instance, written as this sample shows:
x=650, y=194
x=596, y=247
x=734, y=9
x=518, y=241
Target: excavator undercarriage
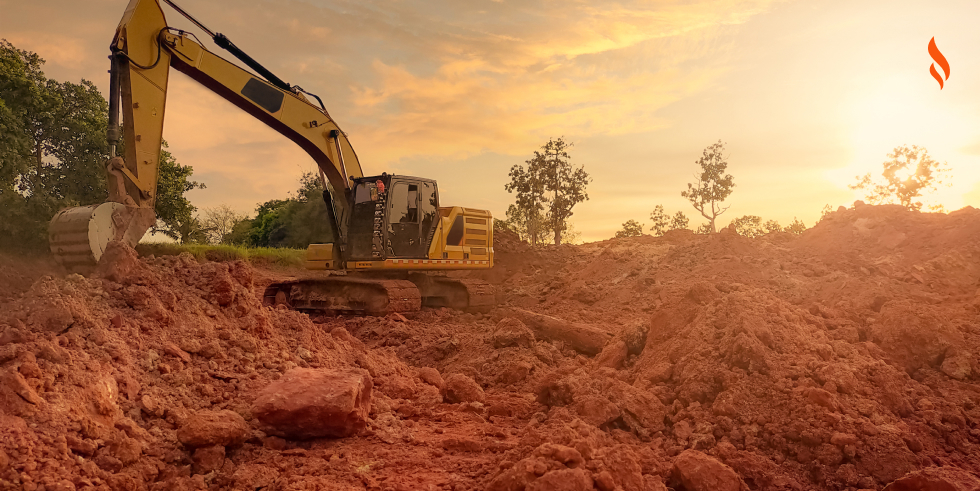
x=354, y=294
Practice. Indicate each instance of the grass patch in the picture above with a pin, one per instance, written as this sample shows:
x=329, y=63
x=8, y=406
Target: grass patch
x=283, y=257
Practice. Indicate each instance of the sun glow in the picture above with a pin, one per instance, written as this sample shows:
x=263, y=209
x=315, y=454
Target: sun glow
x=903, y=110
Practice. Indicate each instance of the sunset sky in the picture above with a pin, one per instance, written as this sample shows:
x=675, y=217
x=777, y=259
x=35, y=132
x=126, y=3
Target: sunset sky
x=806, y=94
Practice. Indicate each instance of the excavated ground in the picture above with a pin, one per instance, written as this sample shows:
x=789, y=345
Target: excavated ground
x=842, y=359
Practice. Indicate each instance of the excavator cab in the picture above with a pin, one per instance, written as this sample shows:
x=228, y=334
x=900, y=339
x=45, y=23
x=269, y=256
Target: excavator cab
x=392, y=217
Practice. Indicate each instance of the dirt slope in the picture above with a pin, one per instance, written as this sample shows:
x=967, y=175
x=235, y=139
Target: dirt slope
x=842, y=359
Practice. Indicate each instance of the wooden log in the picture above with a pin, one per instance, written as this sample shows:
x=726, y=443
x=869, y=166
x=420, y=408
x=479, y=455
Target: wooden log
x=584, y=338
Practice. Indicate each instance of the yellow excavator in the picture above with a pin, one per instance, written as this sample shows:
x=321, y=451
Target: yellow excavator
x=392, y=241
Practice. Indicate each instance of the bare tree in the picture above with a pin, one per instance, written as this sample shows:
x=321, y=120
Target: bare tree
x=712, y=185
x=219, y=221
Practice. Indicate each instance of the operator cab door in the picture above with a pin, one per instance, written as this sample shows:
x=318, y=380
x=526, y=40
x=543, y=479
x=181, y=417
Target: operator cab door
x=404, y=228
x=412, y=207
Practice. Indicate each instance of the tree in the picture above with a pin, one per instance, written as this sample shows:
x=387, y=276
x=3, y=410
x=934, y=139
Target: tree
x=547, y=190
x=219, y=221
x=679, y=221
x=825, y=212
x=631, y=228
x=908, y=174
x=662, y=222
x=526, y=215
x=52, y=147
x=297, y=221
x=772, y=226
x=175, y=213
x=748, y=226
x=53, y=152
x=712, y=186
x=528, y=223
x=795, y=227
x=703, y=229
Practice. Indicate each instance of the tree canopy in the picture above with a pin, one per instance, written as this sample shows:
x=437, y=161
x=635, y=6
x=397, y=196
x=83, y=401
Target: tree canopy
x=53, y=152
x=662, y=222
x=546, y=192
x=631, y=228
x=908, y=174
x=712, y=185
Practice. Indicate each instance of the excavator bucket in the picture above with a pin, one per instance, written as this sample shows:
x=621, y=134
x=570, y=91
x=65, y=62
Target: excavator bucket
x=78, y=236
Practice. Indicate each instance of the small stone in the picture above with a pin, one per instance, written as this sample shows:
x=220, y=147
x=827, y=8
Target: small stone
x=206, y=428
x=460, y=388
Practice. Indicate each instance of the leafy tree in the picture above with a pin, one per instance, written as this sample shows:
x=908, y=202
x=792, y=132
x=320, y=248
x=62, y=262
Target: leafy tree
x=52, y=147
x=748, y=226
x=703, y=229
x=679, y=221
x=795, y=227
x=53, y=152
x=296, y=222
x=662, y=222
x=772, y=226
x=529, y=223
x=547, y=190
x=908, y=174
x=712, y=186
x=526, y=215
x=175, y=213
x=825, y=212
x=631, y=228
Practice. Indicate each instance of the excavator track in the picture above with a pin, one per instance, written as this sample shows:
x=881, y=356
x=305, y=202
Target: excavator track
x=456, y=293
x=345, y=295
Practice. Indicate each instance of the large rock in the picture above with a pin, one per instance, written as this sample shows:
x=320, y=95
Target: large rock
x=460, y=388
x=936, y=479
x=695, y=471
x=313, y=403
x=207, y=428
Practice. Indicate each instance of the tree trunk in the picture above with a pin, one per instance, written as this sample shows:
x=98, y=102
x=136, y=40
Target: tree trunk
x=557, y=237
x=584, y=338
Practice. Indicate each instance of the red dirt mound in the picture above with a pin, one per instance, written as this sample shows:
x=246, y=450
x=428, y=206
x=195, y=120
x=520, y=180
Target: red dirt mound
x=843, y=359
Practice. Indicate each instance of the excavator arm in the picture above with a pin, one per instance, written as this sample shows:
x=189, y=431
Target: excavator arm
x=143, y=51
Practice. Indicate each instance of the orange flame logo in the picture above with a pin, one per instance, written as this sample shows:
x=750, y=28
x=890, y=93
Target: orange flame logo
x=941, y=60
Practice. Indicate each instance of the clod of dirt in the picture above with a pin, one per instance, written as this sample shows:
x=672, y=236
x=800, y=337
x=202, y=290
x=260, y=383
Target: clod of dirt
x=695, y=471
x=936, y=479
x=312, y=403
x=206, y=428
x=460, y=388
x=512, y=332
x=432, y=377
x=613, y=355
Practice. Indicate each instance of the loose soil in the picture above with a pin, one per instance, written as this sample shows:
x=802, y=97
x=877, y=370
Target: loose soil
x=841, y=359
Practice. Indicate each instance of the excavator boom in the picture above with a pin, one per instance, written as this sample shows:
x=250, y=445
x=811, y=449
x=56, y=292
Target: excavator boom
x=143, y=51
